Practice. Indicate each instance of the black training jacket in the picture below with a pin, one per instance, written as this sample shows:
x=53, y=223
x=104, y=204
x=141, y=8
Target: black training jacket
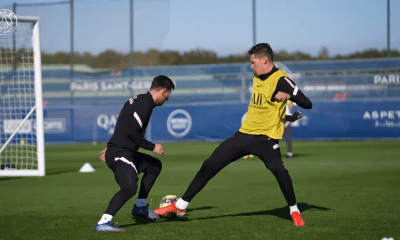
x=131, y=125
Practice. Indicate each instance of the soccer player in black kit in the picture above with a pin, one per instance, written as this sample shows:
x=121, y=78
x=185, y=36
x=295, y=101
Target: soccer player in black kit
x=122, y=156
x=259, y=134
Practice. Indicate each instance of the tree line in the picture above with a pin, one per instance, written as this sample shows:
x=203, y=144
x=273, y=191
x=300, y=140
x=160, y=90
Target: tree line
x=112, y=59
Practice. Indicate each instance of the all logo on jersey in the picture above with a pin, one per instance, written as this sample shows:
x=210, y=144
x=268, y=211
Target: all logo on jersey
x=256, y=99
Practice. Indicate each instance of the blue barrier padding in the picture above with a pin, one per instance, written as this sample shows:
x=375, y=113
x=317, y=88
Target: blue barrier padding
x=215, y=122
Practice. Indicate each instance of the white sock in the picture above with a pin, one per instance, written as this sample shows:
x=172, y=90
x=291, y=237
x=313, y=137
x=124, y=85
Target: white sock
x=181, y=204
x=140, y=202
x=294, y=208
x=289, y=154
x=105, y=218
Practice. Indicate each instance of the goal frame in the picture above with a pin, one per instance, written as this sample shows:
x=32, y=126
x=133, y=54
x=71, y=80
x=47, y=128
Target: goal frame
x=40, y=171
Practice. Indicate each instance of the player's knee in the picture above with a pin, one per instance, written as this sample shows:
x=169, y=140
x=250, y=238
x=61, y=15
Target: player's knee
x=129, y=191
x=156, y=167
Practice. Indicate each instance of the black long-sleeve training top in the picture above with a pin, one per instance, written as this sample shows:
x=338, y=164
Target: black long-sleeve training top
x=288, y=86
x=131, y=125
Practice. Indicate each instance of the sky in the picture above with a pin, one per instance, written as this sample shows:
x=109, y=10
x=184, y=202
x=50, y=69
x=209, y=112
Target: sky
x=222, y=26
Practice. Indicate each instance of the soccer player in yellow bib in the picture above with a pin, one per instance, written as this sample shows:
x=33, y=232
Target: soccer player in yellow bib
x=259, y=134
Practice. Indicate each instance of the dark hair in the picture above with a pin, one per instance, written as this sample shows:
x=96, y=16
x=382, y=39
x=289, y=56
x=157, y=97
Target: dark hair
x=162, y=81
x=262, y=49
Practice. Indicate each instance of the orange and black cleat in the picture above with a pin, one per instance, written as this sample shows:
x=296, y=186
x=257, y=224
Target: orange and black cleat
x=297, y=220
x=170, y=209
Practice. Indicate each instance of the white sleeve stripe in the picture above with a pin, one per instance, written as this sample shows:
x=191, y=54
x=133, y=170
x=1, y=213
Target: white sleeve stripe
x=138, y=119
x=126, y=161
x=296, y=89
x=291, y=84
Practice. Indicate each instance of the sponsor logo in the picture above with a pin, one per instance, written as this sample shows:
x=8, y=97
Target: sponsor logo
x=52, y=125
x=179, y=123
x=8, y=22
x=117, y=73
x=107, y=122
x=109, y=86
x=384, y=118
x=11, y=125
x=85, y=86
x=340, y=96
x=389, y=79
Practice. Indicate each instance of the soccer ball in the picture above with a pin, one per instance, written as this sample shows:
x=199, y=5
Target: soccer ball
x=168, y=200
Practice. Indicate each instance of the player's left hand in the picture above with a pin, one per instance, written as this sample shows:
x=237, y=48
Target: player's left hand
x=282, y=96
x=297, y=115
x=292, y=118
x=159, y=149
x=103, y=155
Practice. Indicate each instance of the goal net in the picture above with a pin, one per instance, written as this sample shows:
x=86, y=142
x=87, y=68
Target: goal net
x=21, y=109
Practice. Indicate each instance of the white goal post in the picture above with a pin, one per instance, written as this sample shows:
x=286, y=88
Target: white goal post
x=21, y=103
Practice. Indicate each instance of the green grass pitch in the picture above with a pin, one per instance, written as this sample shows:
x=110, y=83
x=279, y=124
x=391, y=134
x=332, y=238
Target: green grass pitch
x=345, y=190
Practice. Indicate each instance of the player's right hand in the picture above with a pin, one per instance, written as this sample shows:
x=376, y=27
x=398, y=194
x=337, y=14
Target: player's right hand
x=282, y=96
x=103, y=155
x=159, y=149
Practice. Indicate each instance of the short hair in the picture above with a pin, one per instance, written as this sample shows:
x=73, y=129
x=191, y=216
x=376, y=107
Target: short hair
x=262, y=49
x=162, y=81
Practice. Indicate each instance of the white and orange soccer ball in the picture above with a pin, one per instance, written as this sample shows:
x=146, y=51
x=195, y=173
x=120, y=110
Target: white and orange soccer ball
x=168, y=200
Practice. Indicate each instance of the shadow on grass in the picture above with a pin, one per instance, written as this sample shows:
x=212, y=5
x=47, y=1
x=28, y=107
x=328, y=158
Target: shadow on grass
x=8, y=178
x=282, y=212
x=141, y=221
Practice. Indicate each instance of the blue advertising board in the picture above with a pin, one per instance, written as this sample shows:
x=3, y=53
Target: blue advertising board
x=215, y=122
x=350, y=120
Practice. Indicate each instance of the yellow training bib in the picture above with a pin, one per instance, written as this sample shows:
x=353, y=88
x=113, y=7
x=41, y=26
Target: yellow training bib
x=265, y=117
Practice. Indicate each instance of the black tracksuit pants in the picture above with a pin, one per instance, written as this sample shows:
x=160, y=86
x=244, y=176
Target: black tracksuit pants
x=235, y=147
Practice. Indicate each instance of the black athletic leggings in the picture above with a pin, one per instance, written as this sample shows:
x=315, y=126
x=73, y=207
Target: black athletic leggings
x=126, y=170
x=235, y=147
x=288, y=138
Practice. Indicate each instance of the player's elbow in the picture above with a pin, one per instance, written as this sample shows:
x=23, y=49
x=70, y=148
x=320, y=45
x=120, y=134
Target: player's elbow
x=306, y=104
